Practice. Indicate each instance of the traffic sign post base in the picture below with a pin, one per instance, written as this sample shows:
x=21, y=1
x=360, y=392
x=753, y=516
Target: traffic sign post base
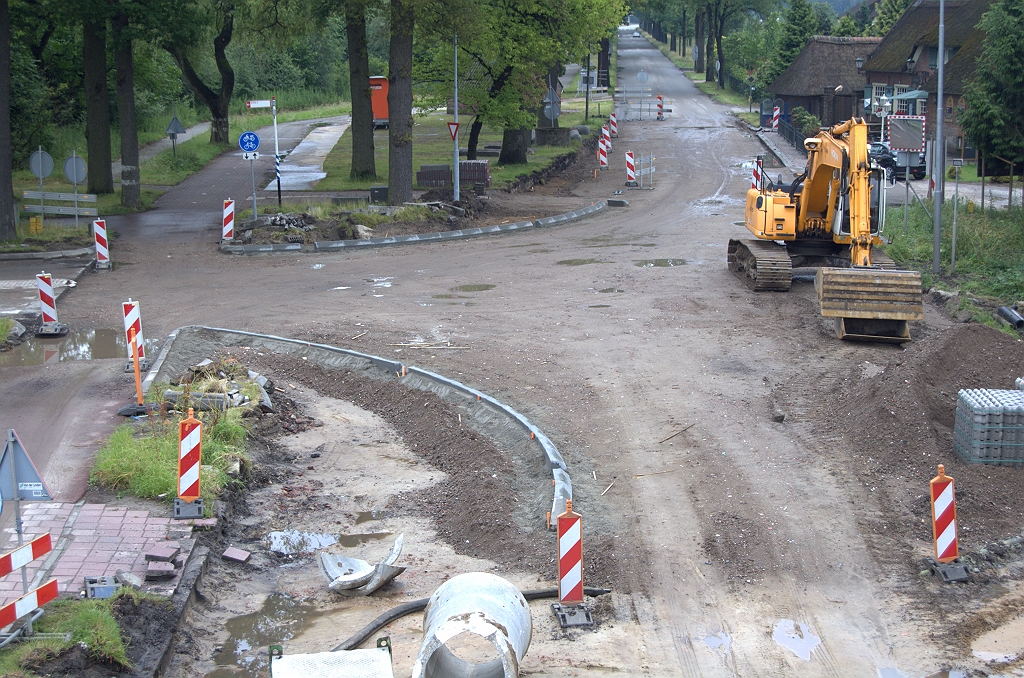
x=143, y=365
x=52, y=330
x=184, y=510
x=572, y=615
x=950, y=572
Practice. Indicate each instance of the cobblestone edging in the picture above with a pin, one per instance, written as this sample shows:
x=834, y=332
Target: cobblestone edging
x=490, y=413
x=443, y=236
x=58, y=254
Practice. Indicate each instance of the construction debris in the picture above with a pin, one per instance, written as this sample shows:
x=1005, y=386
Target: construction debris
x=354, y=577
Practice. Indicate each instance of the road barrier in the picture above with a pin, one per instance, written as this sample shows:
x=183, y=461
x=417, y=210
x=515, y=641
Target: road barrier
x=613, y=125
x=133, y=321
x=99, y=230
x=944, y=517
x=228, y=228
x=570, y=556
x=661, y=108
x=602, y=154
x=757, y=175
x=630, y=169
x=47, y=305
x=25, y=554
x=607, y=137
x=775, y=118
x=190, y=456
x=32, y=600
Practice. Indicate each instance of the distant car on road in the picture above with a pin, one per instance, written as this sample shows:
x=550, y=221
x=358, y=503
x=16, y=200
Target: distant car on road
x=880, y=152
x=636, y=34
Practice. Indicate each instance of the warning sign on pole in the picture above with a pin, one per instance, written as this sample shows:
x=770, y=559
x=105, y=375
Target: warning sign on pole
x=453, y=129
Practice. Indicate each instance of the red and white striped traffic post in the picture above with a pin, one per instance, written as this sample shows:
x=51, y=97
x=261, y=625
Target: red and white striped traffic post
x=190, y=455
x=50, y=326
x=17, y=560
x=661, y=108
x=630, y=169
x=47, y=304
x=755, y=179
x=32, y=600
x=613, y=125
x=602, y=154
x=944, y=517
x=99, y=229
x=775, y=118
x=133, y=321
x=570, y=556
x=25, y=554
x=606, y=135
x=228, y=228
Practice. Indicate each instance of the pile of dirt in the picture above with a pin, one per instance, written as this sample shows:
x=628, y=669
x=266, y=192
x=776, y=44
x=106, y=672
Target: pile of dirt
x=899, y=424
x=566, y=169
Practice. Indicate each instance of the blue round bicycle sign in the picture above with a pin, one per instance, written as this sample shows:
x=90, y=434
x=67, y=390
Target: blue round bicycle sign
x=248, y=141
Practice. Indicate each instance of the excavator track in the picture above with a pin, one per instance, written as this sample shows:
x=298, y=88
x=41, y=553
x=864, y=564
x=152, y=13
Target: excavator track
x=764, y=266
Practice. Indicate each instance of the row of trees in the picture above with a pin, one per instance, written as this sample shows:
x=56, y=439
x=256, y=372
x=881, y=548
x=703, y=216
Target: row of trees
x=76, y=51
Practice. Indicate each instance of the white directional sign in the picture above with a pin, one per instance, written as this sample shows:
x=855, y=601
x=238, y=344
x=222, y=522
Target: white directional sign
x=258, y=103
x=249, y=141
x=251, y=156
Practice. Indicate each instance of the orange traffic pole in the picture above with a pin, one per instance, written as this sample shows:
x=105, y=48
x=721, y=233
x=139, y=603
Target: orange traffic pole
x=135, y=361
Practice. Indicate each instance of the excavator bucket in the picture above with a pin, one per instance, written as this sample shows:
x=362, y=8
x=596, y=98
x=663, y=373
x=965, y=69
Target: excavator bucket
x=869, y=303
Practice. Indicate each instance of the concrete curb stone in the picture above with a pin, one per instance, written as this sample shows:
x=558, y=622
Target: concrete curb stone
x=58, y=254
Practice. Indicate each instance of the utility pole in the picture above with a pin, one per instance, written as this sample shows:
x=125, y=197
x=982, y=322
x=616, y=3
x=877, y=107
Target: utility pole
x=940, y=150
x=455, y=166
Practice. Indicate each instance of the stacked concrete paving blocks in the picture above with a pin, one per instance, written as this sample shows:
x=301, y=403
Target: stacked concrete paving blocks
x=989, y=426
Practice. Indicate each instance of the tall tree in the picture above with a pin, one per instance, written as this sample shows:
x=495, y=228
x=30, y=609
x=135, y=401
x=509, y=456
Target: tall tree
x=400, y=119
x=845, y=27
x=131, y=191
x=97, y=103
x=889, y=12
x=825, y=16
x=363, y=163
x=8, y=209
x=994, y=118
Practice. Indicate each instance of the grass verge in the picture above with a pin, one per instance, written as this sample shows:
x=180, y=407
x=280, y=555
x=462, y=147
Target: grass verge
x=90, y=622
x=144, y=463
x=433, y=145
x=989, y=254
x=683, y=62
x=6, y=325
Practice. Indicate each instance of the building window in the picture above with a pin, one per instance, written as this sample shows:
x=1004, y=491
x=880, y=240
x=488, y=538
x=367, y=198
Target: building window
x=902, y=105
x=933, y=57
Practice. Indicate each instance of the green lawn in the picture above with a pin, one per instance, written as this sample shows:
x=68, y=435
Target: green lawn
x=433, y=145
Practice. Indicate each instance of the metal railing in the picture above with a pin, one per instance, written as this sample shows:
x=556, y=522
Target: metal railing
x=793, y=136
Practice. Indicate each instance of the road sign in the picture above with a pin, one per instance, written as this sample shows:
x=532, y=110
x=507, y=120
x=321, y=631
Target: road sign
x=74, y=169
x=41, y=164
x=552, y=110
x=30, y=483
x=641, y=76
x=251, y=156
x=958, y=162
x=453, y=129
x=249, y=141
x=258, y=103
x=175, y=126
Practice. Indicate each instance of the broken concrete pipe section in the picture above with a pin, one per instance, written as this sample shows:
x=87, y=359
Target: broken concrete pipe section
x=210, y=388
x=353, y=577
x=481, y=604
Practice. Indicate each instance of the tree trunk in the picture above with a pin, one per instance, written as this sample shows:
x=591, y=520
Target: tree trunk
x=513, y=146
x=672, y=42
x=364, y=165
x=131, y=192
x=97, y=108
x=721, y=57
x=216, y=102
x=698, y=41
x=682, y=35
x=603, y=64
x=8, y=210
x=709, y=50
x=474, y=138
x=400, y=103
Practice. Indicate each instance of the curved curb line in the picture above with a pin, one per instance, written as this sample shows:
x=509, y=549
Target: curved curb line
x=440, y=236
x=555, y=461
x=58, y=254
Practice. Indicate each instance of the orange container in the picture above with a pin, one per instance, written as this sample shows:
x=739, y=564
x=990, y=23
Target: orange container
x=379, y=100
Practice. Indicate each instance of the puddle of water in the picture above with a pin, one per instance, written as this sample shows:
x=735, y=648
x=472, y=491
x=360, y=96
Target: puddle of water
x=601, y=306
x=367, y=516
x=659, y=263
x=540, y=251
x=87, y=345
x=795, y=637
x=317, y=267
x=353, y=540
x=610, y=289
x=578, y=262
x=1002, y=644
x=379, y=282
x=995, y=592
x=475, y=288
x=442, y=296
x=722, y=640
x=341, y=288
x=291, y=542
x=281, y=619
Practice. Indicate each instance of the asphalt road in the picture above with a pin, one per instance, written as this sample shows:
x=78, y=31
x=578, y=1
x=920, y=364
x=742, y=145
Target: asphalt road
x=610, y=334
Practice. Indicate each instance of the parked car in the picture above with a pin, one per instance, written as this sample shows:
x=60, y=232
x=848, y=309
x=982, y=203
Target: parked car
x=880, y=152
x=636, y=34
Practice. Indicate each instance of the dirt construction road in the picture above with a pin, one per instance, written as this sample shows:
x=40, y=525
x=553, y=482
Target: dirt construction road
x=611, y=335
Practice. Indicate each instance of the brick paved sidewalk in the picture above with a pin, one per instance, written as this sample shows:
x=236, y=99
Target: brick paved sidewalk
x=97, y=540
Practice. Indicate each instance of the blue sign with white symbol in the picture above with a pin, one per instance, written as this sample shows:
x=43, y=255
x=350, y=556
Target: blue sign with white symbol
x=248, y=142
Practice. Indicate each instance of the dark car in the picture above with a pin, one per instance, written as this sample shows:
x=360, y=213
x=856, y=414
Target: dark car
x=880, y=152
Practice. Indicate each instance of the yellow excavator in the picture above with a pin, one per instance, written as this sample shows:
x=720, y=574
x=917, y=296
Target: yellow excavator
x=831, y=217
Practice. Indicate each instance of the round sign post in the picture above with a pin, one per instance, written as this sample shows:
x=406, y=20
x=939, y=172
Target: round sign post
x=74, y=170
x=41, y=165
x=249, y=142
x=641, y=77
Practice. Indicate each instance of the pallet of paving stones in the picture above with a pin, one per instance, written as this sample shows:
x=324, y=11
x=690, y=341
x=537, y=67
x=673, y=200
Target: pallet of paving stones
x=989, y=426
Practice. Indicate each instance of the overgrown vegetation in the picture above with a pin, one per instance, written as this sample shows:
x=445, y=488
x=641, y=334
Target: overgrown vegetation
x=6, y=325
x=808, y=125
x=989, y=253
x=89, y=622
